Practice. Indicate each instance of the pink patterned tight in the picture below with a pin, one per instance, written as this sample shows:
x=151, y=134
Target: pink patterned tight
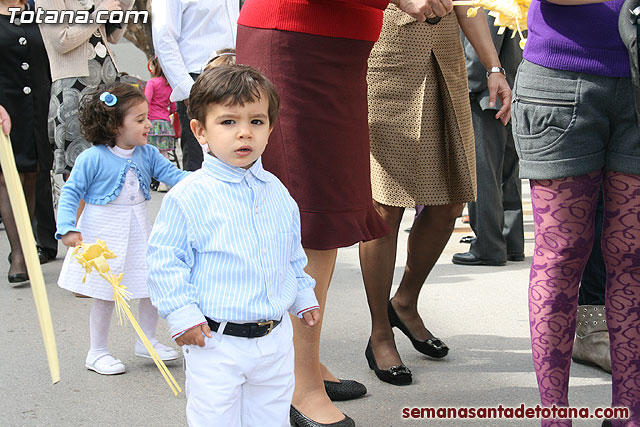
x=563, y=211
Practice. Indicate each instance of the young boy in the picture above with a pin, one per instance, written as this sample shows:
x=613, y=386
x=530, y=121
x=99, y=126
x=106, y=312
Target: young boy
x=226, y=261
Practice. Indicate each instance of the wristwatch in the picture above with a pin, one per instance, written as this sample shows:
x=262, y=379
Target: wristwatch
x=496, y=70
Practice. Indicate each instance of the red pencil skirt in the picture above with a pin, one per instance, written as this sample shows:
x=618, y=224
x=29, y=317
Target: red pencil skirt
x=319, y=147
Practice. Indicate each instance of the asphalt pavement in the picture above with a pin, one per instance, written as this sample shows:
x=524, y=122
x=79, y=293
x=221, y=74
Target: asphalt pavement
x=480, y=312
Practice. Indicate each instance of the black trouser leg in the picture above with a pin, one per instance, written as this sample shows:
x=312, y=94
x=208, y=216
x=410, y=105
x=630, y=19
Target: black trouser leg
x=44, y=222
x=191, y=152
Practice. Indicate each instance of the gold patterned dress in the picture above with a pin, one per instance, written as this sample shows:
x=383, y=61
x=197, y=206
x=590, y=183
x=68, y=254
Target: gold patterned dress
x=422, y=145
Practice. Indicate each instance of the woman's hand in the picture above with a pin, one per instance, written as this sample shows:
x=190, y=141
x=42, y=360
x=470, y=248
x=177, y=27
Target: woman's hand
x=109, y=5
x=5, y=121
x=72, y=239
x=499, y=87
x=423, y=9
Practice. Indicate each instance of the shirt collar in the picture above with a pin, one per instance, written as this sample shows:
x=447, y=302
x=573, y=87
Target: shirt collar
x=224, y=172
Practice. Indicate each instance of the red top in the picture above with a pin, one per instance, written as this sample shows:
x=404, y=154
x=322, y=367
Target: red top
x=351, y=19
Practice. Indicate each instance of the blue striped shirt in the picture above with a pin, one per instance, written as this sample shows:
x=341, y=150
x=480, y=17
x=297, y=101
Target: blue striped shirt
x=226, y=244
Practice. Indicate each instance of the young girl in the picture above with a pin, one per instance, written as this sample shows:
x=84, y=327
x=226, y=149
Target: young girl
x=161, y=134
x=113, y=178
x=220, y=57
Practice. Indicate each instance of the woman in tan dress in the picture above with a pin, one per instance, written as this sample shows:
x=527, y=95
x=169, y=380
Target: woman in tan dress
x=422, y=153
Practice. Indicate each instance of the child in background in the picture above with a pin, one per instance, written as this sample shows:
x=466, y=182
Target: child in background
x=161, y=134
x=225, y=255
x=221, y=57
x=113, y=178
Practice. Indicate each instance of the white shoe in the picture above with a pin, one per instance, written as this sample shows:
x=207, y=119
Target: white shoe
x=163, y=188
x=166, y=353
x=105, y=364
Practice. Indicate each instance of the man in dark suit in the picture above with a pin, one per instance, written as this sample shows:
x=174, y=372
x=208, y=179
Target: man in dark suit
x=496, y=216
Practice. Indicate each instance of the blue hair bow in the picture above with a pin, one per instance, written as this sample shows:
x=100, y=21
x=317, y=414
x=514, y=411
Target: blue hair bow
x=108, y=98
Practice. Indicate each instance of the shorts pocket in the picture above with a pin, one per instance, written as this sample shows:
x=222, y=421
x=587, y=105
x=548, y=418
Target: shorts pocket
x=544, y=110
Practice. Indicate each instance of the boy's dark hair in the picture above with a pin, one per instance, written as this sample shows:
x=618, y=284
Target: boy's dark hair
x=231, y=85
x=100, y=122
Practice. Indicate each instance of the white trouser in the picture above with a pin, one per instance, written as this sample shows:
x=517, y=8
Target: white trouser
x=246, y=382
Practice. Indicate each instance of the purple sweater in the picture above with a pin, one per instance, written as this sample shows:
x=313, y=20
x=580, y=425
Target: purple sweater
x=577, y=38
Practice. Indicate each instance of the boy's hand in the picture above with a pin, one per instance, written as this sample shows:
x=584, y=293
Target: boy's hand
x=194, y=336
x=311, y=317
x=72, y=239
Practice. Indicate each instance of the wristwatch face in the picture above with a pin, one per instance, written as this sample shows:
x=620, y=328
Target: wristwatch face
x=496, y=70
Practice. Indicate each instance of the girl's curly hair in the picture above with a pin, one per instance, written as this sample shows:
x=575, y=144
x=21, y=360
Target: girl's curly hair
x=99, y=121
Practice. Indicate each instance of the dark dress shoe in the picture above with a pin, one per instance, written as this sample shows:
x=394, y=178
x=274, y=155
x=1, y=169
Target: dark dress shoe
x=44, y=255
x=298, y=419
x=467, y=258
x=467, y=239
x=433, y=347
x=606, y=423
x=344, y=389
x=515, y=257
x=396, y=375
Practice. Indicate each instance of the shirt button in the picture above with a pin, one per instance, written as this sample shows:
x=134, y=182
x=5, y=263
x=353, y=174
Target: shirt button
x=128, y=161
x=22, y=41
x=26, y=90
x=25, y=66
x=132, y=198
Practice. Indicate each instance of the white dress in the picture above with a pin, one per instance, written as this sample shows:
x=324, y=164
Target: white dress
x=125, y=227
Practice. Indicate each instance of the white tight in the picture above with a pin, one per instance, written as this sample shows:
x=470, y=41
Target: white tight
x=100, y=320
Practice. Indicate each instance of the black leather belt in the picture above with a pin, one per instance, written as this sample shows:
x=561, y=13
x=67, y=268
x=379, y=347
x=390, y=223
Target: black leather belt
x=245, y=330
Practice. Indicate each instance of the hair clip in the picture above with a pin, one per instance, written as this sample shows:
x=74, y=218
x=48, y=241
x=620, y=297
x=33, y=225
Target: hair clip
x=108, y=98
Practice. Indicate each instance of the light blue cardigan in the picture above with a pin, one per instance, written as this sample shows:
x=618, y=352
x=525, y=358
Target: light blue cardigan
x=98, y=176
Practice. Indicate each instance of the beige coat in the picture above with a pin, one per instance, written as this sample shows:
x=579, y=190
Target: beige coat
x=67, y=44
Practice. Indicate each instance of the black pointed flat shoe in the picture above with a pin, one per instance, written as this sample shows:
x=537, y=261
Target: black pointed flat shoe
x=298, y=419
x=396, y=375
x=18, y=278
x=432, y=347
x=344, y=389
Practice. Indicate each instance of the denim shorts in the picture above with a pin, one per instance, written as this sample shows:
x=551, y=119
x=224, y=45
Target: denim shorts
x=569, y=124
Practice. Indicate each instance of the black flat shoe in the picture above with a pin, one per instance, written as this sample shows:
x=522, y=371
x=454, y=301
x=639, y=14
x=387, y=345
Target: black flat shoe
x=344, y=389
x=396, y=375
x=606, y=423
x=432, y=347
x=18, y=278
x=298, y=419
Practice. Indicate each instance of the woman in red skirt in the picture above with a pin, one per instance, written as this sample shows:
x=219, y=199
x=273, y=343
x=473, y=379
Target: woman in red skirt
x=315, y=53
